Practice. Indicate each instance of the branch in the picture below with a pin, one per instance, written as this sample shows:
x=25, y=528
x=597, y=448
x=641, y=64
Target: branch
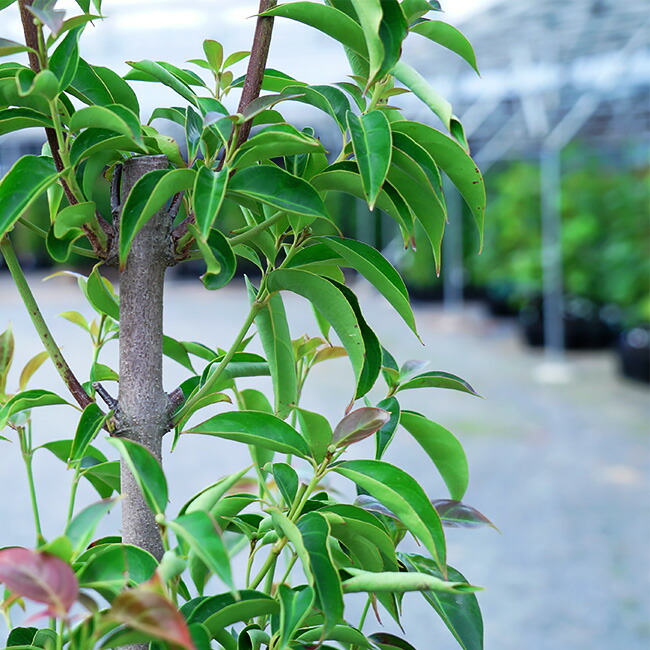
x=30, y=31
x=75, y=388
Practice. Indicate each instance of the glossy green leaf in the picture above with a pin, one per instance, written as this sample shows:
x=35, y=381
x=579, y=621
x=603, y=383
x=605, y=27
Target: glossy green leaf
x=146, y=471
x=273, y=141
x=331, y=303
x=111, y=567
x=44, y=84
x=200, y=532
x=388, y=641
x=455, y=162
x=443, y=448
x=90, y=424
x=279, y=189
x=92, y=141
x=29, y=177
x=402, y=494
x=386, y=434
x=273, y=329
x=328, y=20
x=436, y=379
x=392, y=32
x=6, y=356
x=414, y=9
x=27, y=400
x=328, y=99
x=114, y=117
x=399, y=581
x=287, y=481
x=65, y=58
x=101, y=295
x=219, y=259
x=257, y=428
x=371, y=141
x=148, y=195
x=8, y=47
x=81, y=529
x=193, y=129
x=210, y=496
x=370, y=14
x=378, y=271
x=165, y=77
x=461, y=614
x=315, y=531
x=317, y=431
x=14, y=119
x=177, y=351
x=295, y=606
x=207, y=198
x=448, y=36
x=228, y=611
x=104, y=477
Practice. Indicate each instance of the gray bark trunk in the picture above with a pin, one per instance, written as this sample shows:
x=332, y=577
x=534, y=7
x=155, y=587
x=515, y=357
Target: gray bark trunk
x=144, y=407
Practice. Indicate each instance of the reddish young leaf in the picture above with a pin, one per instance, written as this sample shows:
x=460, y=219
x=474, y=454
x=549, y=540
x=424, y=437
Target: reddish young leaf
x=38, y=576
x=359, y=425
x=145, y=608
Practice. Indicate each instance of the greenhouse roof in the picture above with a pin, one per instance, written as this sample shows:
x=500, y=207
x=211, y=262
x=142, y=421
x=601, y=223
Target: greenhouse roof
x=550, y=72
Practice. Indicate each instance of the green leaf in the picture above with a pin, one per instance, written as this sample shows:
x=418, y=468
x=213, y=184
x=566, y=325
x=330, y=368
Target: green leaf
x=401, y=494
x=371, y=141
x=461, y=614
x=378, y=271
x=27, y=400
x=92, y=141
x=279, y=189
x=436, y=379
x=44, y=84
x=273, y=329
x=317, y=431
x=273, y=141
x=286, y=479
x=331, y=303
x=295, y=605
x=48, y=15
x=28, y=370
x=414, y=9
x=6, y=357
x=109, y=568
x=447, y=36
x=370, y=14
x=328, y=99
x=263, y=103
x=392, y=32
x=207, y=198
x=147, y=196
x=65, y=59
x=228, y=611
x=177, y=351
x=386, y=434
x=388, y=641
x=90, y=424
x=8, y=47
x=99, y=292
x=328, y=20
x=315, y=530
x=104, y=477
x=193, y=129
x=443, y=449
x=255, y=428
x=114, y=117
x=342, y=633
x=213, y=53
x=219, y=258
x=210, y=496
x=455, y=162
x=22, y=185
x=14, y=119
x=81, y=529
x=200, y=532
x=398, y=581
x=146, y=471
x=165, y=77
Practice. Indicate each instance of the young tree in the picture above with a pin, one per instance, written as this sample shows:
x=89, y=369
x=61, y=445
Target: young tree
x=166, y=207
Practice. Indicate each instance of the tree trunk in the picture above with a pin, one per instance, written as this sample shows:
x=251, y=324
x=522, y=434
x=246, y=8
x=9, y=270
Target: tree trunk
x=144, y=407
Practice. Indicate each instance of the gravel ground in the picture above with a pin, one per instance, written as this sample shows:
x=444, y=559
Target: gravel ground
x=561, y=468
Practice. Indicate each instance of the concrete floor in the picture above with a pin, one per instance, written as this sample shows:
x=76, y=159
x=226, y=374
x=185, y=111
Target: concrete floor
x=563, y=469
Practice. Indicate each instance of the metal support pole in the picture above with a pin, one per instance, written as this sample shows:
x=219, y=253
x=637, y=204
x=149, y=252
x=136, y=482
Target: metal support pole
x=453, y=273
x=553, y=300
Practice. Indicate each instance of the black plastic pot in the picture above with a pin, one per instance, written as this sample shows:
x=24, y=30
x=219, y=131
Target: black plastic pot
x=634, y=353
x=499, y=299
x=587, y=326
x=425, y=294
